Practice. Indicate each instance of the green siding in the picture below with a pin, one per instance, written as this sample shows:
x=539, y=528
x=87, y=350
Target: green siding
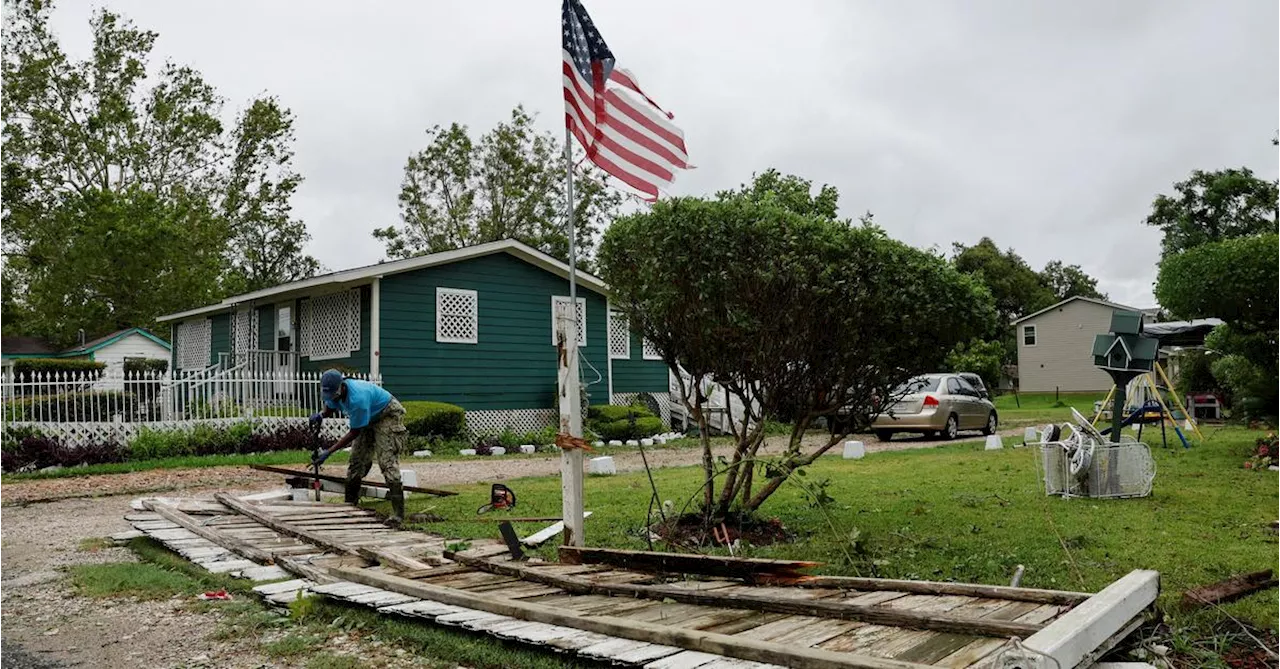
x=358, y=360
x=514, y=364
x=637, y=375
x=219, y=336
x=266, y=327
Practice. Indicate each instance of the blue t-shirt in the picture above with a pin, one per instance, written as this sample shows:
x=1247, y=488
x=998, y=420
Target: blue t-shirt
x=363, y=402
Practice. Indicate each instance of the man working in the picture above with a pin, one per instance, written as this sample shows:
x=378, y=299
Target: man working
x=377, y=429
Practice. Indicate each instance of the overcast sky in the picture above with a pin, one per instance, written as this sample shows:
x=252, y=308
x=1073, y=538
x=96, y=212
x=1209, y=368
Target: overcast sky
x=1048, y=126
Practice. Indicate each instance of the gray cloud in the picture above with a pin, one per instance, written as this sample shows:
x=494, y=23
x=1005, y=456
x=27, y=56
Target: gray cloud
x=1047, y=126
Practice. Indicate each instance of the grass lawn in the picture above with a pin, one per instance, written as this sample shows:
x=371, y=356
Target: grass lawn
x=958, y=513
x=1042, y=408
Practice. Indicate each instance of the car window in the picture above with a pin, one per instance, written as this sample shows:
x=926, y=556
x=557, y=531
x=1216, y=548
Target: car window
x=922, y=384
x=965, y=387
x=973, y=379
x=955, y=387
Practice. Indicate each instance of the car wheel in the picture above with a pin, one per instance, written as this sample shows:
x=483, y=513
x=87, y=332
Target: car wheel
x=884, y=435
x=992, y=424
x=952, y=430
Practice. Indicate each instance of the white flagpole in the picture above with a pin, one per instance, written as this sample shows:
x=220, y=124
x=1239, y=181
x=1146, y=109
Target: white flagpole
x=570, y=399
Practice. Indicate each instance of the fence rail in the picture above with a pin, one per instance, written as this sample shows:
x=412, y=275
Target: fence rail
x=76, y=405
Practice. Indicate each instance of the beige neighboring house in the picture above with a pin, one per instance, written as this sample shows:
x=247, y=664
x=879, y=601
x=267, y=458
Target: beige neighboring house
x=1055, y=345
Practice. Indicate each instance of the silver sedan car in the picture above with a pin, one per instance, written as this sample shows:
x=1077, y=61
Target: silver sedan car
x=937, y=404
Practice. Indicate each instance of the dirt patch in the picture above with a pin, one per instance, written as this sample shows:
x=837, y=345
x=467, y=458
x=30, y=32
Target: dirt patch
x=131, y=483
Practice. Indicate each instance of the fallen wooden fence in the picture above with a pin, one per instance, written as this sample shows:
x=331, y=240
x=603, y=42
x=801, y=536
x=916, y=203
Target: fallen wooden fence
x=339, y=479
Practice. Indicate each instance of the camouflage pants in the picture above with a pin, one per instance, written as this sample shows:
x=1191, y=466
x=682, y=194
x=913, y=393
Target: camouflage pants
x=383, y=439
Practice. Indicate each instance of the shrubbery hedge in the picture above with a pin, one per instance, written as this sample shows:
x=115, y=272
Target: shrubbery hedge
x=435, y=420
x=76, y=407
x=23, y=368
x=623, y=430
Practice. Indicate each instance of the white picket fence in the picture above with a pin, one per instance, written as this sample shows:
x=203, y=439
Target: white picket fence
x=80, y=407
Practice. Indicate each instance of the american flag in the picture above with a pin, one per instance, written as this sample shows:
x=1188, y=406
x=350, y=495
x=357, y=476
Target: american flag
x=630, y=138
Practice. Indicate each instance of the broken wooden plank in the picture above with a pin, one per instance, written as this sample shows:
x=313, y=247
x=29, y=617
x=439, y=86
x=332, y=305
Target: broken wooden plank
x=719, y=644
x=680, y=563
x=1070, y=638
x=936, y=588
x=238, y=546
x=340, y=479
x=747, y=600
x=251, y=511
x=1228, y=589
x=543, y=535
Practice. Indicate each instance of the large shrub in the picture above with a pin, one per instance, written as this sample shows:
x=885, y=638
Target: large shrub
x=796, y=313
x=609, y=413
x=638, y=428
x=75, y=407
x=435, y=420
x=38, y=451
x=145, y=366
x=25, y=369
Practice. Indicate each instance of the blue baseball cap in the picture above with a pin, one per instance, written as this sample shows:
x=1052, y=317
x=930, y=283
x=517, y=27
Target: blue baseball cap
x=330, y=382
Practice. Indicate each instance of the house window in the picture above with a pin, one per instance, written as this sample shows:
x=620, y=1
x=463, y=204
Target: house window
x=457, y=316
x=244, y=330
x=650, y=351
x=330, y=325
x=193, y=344
x=1028, y=335
x=619, y=336
x=557, y=300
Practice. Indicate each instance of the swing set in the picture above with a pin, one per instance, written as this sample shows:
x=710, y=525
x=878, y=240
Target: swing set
x=1153, y=408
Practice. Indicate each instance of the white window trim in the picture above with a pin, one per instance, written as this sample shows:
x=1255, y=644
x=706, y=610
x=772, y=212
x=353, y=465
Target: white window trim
x=582, y=329
x=626, y=327
x=1035, y=335
x=475, y=316
x=645, y=344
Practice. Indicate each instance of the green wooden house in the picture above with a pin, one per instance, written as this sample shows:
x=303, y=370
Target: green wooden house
x=471, y=326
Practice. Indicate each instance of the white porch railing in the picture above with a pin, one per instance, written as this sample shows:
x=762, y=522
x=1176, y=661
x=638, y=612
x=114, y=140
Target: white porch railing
x=83, y=407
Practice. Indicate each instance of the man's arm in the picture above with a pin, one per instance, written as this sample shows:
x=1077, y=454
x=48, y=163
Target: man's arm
x=342, y=443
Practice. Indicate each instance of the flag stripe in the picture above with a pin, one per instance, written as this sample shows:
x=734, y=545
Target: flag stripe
x=635, y=138
x=626, y=150
x=628, y=80
x=612, y=168
x=647, y=135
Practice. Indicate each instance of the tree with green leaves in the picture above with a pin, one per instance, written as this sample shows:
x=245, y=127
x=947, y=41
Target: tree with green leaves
x=1066, y=281
x=1017, y=289
x=266, y=240
x=798, y=315
x=506, y=183
x=116, y=182
x=1214, y=206
x=980, y=357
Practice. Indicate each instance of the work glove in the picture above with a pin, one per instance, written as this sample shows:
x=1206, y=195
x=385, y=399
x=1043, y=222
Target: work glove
x=319, y=456
x=316, y=419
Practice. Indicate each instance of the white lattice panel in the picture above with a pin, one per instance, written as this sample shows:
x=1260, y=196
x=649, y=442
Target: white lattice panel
x=81, y=434
x=457, y=316
x=517, y=420
x=193, y=344
x=619, y=336
x=244, y=330
x=557, y=300
x=650, y=351
x=331, y=325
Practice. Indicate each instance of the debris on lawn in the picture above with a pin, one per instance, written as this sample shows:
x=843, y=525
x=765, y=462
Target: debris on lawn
x=220, y=595
x=1229, y=589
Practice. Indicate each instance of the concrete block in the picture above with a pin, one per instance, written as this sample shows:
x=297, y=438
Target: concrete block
x=466, y=451
x=598, y=444
x=497, y=450
x=528, y=448
x=615, y=442
x=1030, y=436
x=632, y=442
x=422, y=454
x=854, y=450
x=646, y=442
x=994, y=442
x=602, y=465
x=409, y=477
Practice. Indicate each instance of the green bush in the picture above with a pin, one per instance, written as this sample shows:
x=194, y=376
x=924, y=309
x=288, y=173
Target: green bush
x=609, y=413
x=23, y=368
x=75, y=407
x=438, y=420
x=624, y=429
x=145, y=365
x=152, y=444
